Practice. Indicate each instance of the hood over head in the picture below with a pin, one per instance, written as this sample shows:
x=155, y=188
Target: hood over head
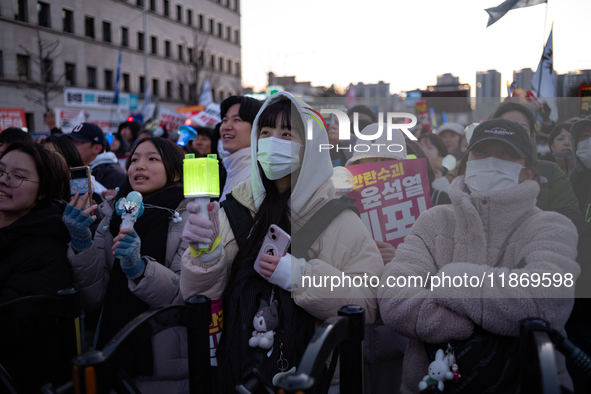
x=316, y=167
x=381, y=148
x=575, y=131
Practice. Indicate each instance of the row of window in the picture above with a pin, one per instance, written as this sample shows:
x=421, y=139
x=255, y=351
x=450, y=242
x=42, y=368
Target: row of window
x=179, y=8
x=44, y=18
x=23, y=73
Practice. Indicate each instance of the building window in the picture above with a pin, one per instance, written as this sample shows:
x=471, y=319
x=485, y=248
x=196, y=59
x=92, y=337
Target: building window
x=237, y=68
x=155, y=87
x=228, y=33
x=108, y=80
x=237, y=37
x=190, y=55
x=166, y=8
x=153, y=5
x=229, y=70
x=168, y=89
x=68, y=19
x=211, y=23
x=189, y=17
x=179, y=13
x=200, y=21
x=106, y=31
x=21, y=13
x=1, y=65
x=126, y=85
x=167, y=48
x=30, y=119
x=91, y=77
x=180, y=49
x=212, y=62
x=201, y=58
x=124, y=37
x=22, y=67
x=236, y=4
x=181, y=91
x=43, y=14
x=70, y=74
x=89, y=26
x=154, y=45
x=221, y=95
x=140, y=41
x=219, y=30
x=142, y=85
x=213, y=95
x=47, y=70
x=140, y=3
x=221, y=63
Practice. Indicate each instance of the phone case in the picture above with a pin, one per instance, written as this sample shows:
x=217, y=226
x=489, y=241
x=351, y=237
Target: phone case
x=80, y=184
x=275, y=243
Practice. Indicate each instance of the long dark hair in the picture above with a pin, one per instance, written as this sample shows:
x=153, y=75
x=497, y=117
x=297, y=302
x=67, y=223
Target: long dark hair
x=54, y=180
x=249, y=107
x=67, y=149
x=274, y=208
x=172, y=158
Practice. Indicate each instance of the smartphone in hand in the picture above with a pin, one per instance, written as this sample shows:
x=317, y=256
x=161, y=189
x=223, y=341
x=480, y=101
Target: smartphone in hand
x=80, y=183
x=276, y=243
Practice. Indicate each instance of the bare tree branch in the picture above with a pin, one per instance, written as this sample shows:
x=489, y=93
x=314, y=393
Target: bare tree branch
x=42, y=87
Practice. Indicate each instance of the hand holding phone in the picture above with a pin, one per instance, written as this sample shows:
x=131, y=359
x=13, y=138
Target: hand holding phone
x=275, y=244
x=80, y=183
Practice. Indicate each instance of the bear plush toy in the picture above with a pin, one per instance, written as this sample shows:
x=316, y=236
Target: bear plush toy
x=265, y=321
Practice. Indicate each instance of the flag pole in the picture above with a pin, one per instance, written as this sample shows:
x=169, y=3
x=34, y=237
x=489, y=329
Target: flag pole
x=545, y=22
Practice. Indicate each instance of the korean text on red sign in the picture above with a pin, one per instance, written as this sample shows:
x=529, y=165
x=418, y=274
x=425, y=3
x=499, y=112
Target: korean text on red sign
x=390, y=196
x=12, y=117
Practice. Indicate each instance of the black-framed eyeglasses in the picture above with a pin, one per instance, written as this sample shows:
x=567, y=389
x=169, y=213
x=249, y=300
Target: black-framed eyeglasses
x=16, y=180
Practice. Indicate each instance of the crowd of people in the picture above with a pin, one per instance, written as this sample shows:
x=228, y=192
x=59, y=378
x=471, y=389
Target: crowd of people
x=502, y=200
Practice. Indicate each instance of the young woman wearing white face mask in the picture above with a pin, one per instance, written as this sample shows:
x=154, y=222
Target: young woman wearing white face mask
x=290, y=181
x=492, y=226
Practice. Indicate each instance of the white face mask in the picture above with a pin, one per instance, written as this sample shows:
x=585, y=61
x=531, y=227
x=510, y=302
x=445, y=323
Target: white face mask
x=584, y=152
x=491, y=174
x=278, y=157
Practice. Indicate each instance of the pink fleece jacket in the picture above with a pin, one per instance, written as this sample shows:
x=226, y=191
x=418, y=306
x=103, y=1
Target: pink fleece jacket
x=466, y=238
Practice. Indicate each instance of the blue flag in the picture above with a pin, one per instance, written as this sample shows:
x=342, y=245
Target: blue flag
x=118, y=78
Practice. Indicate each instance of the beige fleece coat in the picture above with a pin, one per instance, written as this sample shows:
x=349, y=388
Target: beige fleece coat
x=345, y=247
x=466, y=238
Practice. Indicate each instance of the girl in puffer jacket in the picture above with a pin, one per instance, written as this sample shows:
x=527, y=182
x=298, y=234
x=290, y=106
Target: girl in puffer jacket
x=146, y=273
x=492, y=227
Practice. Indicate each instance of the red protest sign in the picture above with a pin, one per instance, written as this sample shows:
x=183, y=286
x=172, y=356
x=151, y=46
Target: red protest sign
x=169, y=120
x=12, y=117
x=390, y=196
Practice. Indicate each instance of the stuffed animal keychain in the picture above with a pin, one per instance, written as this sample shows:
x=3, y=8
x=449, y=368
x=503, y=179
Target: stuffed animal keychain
x=438, y=371
x=265, y=321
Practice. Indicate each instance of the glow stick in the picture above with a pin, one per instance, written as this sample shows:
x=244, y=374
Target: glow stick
x=201, y=179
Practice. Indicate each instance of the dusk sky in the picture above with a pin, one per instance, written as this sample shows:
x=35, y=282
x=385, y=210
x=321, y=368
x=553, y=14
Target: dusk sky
x=406, y=43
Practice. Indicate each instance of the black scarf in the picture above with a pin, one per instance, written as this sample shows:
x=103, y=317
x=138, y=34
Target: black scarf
x=121, y=305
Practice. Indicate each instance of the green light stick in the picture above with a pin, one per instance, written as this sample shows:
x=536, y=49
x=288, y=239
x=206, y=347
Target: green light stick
x=201, y=179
